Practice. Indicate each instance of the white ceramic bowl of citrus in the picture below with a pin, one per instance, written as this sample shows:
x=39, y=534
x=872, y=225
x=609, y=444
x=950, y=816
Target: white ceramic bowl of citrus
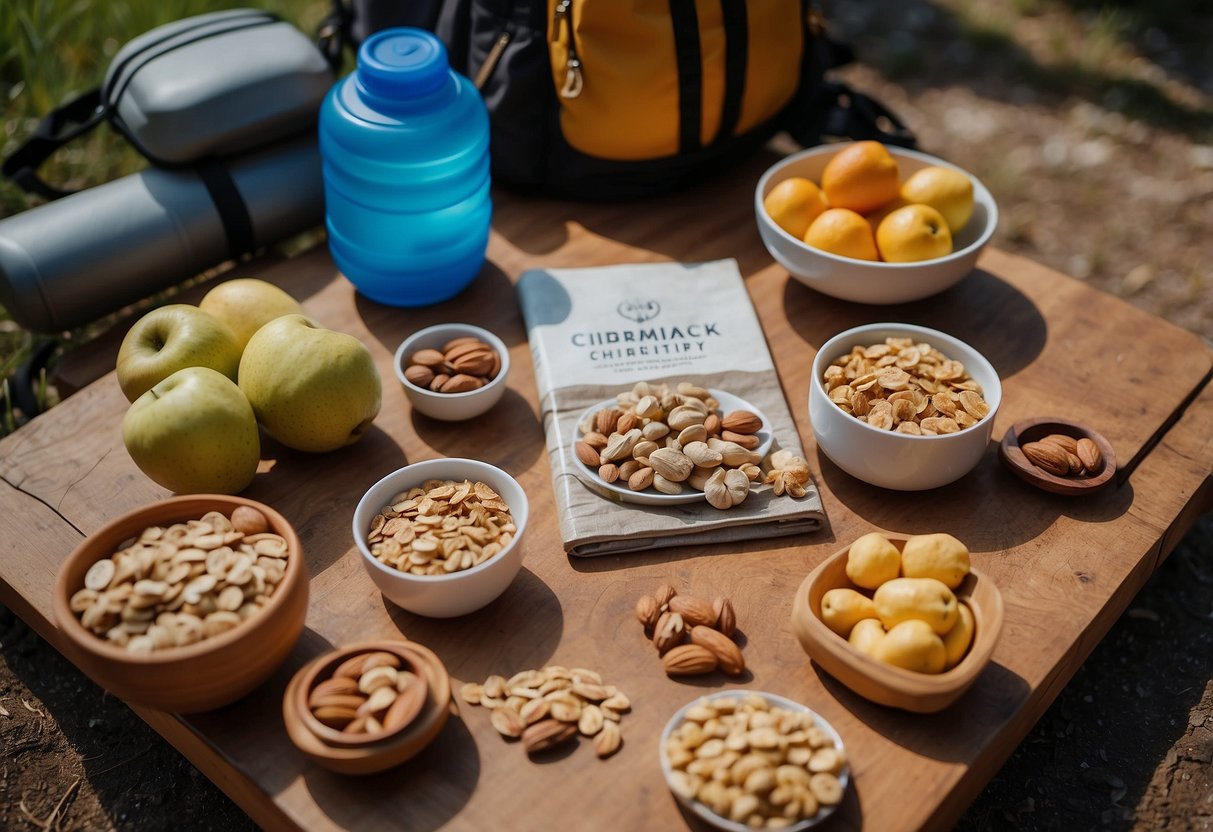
x=894, y=460
x=457, y=593
x=872, y=281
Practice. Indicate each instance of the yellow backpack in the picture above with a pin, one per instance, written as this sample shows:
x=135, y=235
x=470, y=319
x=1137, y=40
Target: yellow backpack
x=623, y=98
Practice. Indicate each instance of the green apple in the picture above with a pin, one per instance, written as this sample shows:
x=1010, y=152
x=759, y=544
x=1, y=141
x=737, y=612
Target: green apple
x=194, y=433
x=247, y=304
x=312, y=389
x=172, y=338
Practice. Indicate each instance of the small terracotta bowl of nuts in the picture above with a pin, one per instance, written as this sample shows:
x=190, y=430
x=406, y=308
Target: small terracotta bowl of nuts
x=453, y=372
x=901, y=406
x=442, y=538
x=784, y=766
x=367, y=707
x=186, y=604
x=1060, y=456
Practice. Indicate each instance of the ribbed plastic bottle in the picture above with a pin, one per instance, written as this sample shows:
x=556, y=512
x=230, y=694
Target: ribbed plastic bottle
x=405, y=147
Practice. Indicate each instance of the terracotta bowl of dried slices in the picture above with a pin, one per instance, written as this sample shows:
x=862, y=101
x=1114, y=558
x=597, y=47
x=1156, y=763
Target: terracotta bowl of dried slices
x=186, y=624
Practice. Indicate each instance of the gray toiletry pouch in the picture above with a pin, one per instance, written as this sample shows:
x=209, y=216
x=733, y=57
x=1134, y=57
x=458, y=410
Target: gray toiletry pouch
x=215, y=85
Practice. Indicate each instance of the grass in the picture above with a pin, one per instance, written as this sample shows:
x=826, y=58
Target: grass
x=50, y=52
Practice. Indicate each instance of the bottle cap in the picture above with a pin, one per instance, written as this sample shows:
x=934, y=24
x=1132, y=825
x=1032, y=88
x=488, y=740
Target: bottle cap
x=402, y=63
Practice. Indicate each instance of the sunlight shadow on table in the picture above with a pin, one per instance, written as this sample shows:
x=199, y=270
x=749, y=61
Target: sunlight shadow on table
x=439, y=782
x=390, y=325
x=989, y=314
x=532, y=639
x=948, y=734
x=508, y=436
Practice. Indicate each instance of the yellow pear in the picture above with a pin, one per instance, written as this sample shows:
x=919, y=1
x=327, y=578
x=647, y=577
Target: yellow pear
x=912, y=644
x=872, y=560
x=924, y=599
x=842, y=608
x=939, y=556
x=247, y=304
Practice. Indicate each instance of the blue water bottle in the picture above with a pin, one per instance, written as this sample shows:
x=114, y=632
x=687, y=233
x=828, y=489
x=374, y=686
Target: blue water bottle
x=405, y=148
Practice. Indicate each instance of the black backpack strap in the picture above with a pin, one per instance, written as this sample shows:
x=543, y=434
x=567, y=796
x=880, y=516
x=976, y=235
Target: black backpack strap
x=834, y=109
x=333, y=34
x=56, y=129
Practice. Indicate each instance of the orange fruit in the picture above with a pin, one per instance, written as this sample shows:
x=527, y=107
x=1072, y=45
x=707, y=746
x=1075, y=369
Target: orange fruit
x=793, y=204
x=913, y=233
x=862, y=177
x=843, y=232
x=947, y=190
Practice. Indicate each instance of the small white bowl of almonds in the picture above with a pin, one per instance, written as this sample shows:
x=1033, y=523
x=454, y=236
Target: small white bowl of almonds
x=902, y=406
x=441, y=538
x=452, y=372
x=745, y=760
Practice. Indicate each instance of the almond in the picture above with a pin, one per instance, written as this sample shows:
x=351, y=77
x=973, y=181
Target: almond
x=460, y=383
x=460, y=341
x=626, y=422
x=663, y=595
x=741, y=421
x=606, y=420
x=746, y=440
x=609, y=472
x=694, y=611
x=1088, y=452
x=508, y=722
x=641, y=480
x=608, y=739
x=667, y=632
x=1048, y=457
x=439, y=380
x=1067, y=443
x=648, y=611
x=587, y=455
x=546, y=734
x=418, y=374
x=712, y=424
x=726, y=618
x=428, y=358
x=688, y=660
x=728, y=655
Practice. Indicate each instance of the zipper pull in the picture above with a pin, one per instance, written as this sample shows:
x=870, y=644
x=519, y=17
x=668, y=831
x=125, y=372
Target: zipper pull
x=572, y=73
x=572, y=80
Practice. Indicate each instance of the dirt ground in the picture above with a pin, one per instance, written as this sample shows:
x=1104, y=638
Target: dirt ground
x=1095, y=133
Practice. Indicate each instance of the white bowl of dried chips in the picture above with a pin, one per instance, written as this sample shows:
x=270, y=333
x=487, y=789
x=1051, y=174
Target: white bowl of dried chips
x=442, y=538
x=902, y=406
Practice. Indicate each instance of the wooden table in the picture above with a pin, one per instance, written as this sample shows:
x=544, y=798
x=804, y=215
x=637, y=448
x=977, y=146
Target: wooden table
x=1067, y=567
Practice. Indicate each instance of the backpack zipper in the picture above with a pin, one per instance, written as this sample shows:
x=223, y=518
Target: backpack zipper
x=572, y=72
x=491, y=60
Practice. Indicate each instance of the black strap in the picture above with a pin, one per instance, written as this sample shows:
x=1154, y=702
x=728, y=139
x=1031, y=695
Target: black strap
x=56, y=129
x=237, y=224
x=835, y=109
x=690, y=74
x=736, y=49
x=333, y=33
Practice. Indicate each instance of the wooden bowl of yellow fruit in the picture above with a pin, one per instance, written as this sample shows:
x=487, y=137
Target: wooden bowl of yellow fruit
x=905, y=622
x=872, y=223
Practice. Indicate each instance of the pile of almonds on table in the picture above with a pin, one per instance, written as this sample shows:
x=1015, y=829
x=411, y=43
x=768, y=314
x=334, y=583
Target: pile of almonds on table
x=1064, y=456
x=368, y=694
x=547, y=708
x=692, y=635
x=669, y=439
x=461, y=365
x=169, y=587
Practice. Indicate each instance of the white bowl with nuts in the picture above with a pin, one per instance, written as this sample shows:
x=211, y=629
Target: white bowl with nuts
x=452, y=372
x=653, y=457
x=901, y=406
x=442, y=538
x=745, y=760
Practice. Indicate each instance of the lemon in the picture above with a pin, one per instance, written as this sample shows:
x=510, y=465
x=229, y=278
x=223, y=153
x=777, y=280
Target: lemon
x=939, y=556
x=841, y=609
x=912, y=644
x=924, y=599
x=947, y=190
x=957, y=640
x=913, y=233
x=793, y=204
x=872, y=560
x=866, y=634
x=843, y=232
